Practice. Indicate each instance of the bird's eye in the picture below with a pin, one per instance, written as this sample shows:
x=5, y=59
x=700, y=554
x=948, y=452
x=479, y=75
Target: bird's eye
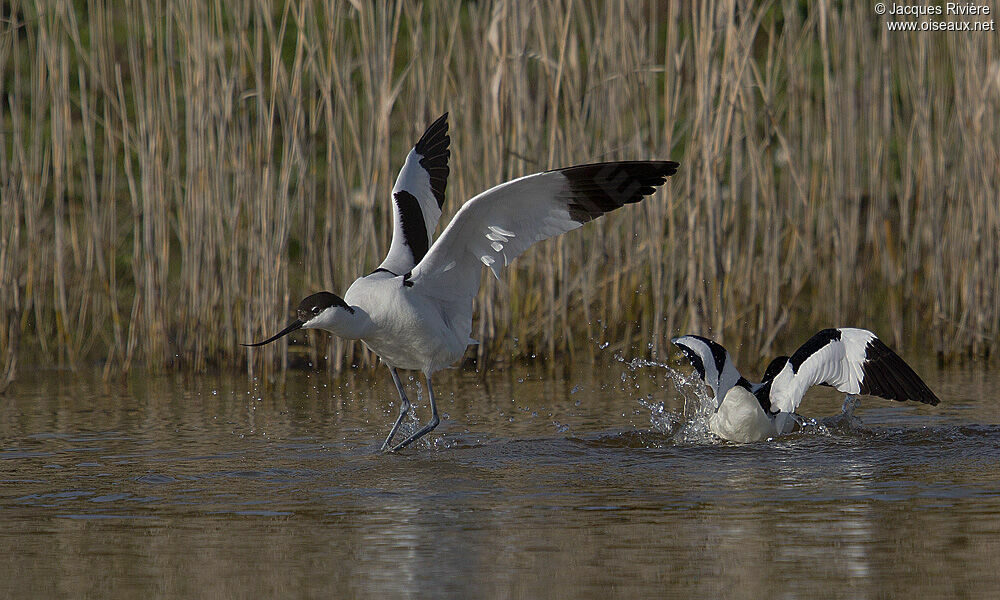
x=315, y=308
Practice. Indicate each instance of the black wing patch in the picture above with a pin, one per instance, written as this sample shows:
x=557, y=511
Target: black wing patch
x=812, y=345
x=719, y=356
x=886, y=375
x=773, y=368
x=763, y=394
x=718, y=353
x=695, y=360
x=603, y=187
x=411, y=218
x=434, y=152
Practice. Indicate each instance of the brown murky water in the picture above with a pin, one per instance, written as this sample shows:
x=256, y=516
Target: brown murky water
x=586, y=483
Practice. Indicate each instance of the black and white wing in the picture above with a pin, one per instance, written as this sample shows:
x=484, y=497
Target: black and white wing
x=712, y=362
x=499, y=224
x=417, y=198
x=852, y=360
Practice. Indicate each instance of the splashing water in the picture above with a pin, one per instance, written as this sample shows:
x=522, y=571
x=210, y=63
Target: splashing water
x=690, y=426
x=846, y=420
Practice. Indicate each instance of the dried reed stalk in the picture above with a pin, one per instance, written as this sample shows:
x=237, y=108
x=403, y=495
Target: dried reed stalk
x=175, y=177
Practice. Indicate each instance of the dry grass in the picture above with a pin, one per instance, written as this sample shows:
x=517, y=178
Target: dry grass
x=175, y=177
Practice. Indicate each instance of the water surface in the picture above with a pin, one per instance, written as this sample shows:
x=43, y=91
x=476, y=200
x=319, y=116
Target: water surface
x=574, y=483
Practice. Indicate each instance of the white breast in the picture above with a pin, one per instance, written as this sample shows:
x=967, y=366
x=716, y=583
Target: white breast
x=741, y=419
x=409, y=330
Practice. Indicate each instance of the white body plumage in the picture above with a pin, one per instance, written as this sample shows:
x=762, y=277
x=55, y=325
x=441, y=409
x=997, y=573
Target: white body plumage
x=741, y=419
x=853, y=361
x=415, y=309
x=407, y=329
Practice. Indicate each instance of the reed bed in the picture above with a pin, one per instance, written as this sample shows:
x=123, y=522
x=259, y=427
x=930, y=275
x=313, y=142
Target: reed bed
x=175, y=176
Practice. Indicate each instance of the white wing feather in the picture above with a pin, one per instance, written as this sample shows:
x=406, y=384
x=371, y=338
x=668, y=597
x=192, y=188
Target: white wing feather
x=721, y=383
x=493, y=229
x=839, y=363
x=424, y=177
x=499, y=224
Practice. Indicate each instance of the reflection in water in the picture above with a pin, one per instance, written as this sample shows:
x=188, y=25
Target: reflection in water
x=538, y=485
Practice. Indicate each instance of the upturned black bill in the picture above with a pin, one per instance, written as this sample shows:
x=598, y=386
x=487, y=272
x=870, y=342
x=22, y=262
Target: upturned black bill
x=296, y=324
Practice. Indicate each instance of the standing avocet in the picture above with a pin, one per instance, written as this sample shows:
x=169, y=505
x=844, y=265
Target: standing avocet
x=415, y=309
x=852, y=360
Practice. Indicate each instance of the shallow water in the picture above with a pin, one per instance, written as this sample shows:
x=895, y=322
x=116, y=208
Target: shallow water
x=586, y=483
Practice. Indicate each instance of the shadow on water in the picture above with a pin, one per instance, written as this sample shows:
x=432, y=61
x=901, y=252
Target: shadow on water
x=534, y=485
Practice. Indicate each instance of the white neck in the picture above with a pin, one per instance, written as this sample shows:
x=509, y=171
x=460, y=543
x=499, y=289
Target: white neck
x=350, y=324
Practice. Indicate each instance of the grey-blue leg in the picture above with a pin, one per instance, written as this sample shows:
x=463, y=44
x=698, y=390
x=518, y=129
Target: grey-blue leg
x=430, y=426
x=404, y=407
x=851, y=403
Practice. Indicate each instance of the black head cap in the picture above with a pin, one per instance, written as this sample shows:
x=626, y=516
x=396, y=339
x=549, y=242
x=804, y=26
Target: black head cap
x=307, y=311
x=317, y=303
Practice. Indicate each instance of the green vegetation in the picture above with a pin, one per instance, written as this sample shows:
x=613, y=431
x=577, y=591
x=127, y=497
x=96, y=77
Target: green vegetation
x=175, y=176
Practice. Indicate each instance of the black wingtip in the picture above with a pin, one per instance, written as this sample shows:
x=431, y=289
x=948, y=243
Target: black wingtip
x=433, y=149
x=886, y=374
x=603, y=187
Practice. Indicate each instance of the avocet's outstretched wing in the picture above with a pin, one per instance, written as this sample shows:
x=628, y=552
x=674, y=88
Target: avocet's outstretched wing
x=712, y=362
x=499, y=224
x=852, y=360
x=417, y=198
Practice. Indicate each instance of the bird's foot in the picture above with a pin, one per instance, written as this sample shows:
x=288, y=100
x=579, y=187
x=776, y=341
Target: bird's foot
x=416, y=436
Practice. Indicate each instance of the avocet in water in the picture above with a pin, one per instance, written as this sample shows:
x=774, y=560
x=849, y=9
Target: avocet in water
x=415, y=309
x=854, y=361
